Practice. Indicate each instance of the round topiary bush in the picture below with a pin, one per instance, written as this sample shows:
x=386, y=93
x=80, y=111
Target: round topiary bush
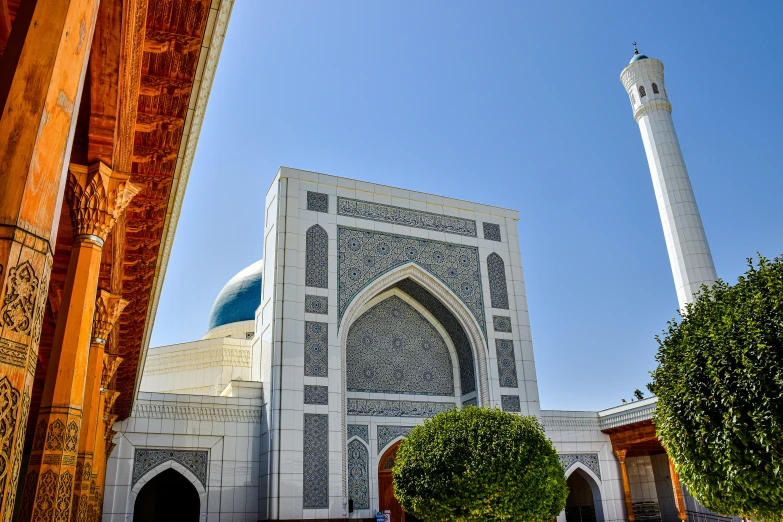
x=479, y=464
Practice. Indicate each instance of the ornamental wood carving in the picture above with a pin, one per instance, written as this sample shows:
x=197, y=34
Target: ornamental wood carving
x=108, y=308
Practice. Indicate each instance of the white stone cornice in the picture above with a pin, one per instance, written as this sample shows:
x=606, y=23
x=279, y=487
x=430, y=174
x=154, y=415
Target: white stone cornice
x=216, y=413
x=647, y=68
x=659, y=105
x=643, y=413
x=192, y=361
x=570, y=424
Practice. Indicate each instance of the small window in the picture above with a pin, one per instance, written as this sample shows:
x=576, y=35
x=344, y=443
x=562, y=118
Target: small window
x=655, y=88
x=633, y=99
x=642, y=92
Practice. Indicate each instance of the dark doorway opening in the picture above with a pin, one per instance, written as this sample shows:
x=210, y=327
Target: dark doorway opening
x=580, y=505
x=167, y=497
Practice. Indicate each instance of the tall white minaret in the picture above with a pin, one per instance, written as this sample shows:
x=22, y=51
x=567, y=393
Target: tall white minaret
x=689, y=253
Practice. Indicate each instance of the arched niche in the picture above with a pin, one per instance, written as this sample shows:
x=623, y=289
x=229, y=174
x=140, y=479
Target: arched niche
x=584, y=493
x=170, y=466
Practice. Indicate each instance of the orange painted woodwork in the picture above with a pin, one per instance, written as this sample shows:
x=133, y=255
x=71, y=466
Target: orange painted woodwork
x=386, y=499
x=96, y=196
x=626, y=485
x=41, y=77
x=108, y=308
x=677, y=488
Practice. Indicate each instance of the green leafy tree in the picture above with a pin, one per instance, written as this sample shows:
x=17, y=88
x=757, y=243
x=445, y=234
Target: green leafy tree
x=638, y=394
x=719, y=384
x=479, y=464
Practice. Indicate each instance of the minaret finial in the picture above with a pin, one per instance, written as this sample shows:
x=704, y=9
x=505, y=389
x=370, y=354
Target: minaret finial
x=635, y=50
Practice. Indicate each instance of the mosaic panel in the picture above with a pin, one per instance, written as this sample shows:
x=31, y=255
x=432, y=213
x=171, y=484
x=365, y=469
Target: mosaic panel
x=386, y=434
x=315, y=461
x=452, y=326
x=391, y=348
x=316, y=394
x=317, y=257
x=383, y=408
x=317, y=201
x=510, y=403
x=363, y=255
x=498, y=291
x=405, y=216
x=358, y=475
x=492, y=232
x=470, y=402
x=316, y=304
x=359, y=430
x=316, y=356
x=507, y=363
x=501, y=323
x=589, y=460
x=147, y=459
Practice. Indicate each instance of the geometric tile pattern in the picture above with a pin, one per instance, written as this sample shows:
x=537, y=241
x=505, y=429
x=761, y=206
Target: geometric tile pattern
x=470, y=402
x=452, y=326
x=317, y=257
x=498, y=291
x=316, y=351
x=391, y=348
x=492, y=232
x=317, y=201
x=384, y=408
x=315, y=461
x=501, y=324
x=316, y=304
x=316, y=394
x=405, y=216
x=386, y=434
x=364, y=255
x=510, y=403
x=146, y=459
x=507, y=363
x=359, y=430
x=358, y=475
x=589, y=460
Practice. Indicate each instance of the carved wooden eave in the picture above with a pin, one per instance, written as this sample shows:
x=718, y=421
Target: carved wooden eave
x=164, y=148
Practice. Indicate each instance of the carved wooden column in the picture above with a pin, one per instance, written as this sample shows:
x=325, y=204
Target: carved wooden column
x=97, y=195
x=41, y=77
x=110, y=364
x=108, y=308
x=626, y=484
x=677, y=488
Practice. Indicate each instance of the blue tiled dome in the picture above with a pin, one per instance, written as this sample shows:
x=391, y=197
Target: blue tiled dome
x=637, y=57
x=238, y=300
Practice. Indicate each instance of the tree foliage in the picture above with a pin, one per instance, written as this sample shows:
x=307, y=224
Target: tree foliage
x=479, y=464
x=719, y=384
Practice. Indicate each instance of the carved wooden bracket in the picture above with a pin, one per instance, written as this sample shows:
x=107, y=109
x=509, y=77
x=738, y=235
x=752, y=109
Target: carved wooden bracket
x=97, y=196
x=111, y=396
x=110, y=364
x=108, y=308
x=160, y=41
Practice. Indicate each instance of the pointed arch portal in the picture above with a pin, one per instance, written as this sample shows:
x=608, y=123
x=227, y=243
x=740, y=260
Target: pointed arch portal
x=168, y=496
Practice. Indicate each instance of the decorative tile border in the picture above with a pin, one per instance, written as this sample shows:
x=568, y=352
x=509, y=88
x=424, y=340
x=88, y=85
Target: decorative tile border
x=386, y=434
x=589, y=460
x=359, y=430
x=365, y=255
x=405, y=216
x=510, y=403
x=316, y=356
x=507, y=363
x=492, y=232
x=501, y=323
x=317, y=257
x=358, y=475
x=315, y=461
x=498, y=289
x=383, y=408
x=316, y=394
x=146, y=459
x=316, y=304
x=318, y=202
x=470, y=402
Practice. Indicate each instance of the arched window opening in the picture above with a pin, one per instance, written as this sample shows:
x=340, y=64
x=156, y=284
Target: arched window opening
x=655, y=88
x=154, y=503
x=317, y=253
x=498, y=290
x=642, y=92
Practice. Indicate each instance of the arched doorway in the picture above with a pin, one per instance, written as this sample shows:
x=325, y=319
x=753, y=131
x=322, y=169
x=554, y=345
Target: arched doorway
x=386, y=500
x=581, y=502
x=168, y=496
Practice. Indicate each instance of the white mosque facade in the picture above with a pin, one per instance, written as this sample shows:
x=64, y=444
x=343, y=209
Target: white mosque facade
x=379, y=308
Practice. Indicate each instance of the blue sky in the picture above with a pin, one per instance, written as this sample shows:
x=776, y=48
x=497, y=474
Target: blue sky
x=514, y=104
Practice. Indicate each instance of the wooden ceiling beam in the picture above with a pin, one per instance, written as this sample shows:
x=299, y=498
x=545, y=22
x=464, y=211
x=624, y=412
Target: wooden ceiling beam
x=158, y=42
x=156, y=122
x=148, y=154
x=157, y=85
x=5, y=24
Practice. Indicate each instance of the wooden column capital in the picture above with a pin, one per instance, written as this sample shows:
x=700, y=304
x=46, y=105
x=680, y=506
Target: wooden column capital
x=110, y=364
x=620, y=454
x=97, y=196
x=108, y=308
